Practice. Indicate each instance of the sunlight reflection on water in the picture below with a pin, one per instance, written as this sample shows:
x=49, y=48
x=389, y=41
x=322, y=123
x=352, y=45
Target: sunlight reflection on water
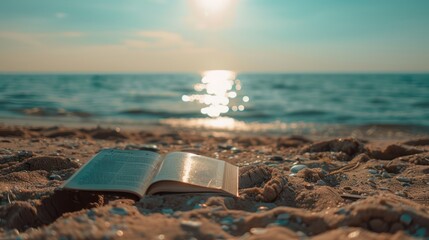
x=218, y=91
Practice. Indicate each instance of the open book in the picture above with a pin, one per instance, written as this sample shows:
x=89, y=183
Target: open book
x=145, y=173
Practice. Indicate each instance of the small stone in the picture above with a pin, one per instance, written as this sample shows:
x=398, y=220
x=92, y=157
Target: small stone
x=55, y=177
x=262, y=208
x=91, y=214
x=190, y=224
x=321, y=183
x=225, y=146
x=119, y=233
x=378, y=225
x=119, y=211
x=400, y=193
x=258, y=231
x=283, y=216
x=227, y=220
x=403, y=179
x=386, y=175
x=160, y=237
x=282, y=222
x=354, y=234
x=167, y=211
x=406, y=219
x=297, y=168
x=421, y=232
x=236, y=150
x=342, y=211
x=25, y=154
x=146, y=147
x=276, y=158
x=373, y=171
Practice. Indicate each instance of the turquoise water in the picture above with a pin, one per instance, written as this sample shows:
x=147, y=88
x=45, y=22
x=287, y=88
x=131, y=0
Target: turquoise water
x=359, y=99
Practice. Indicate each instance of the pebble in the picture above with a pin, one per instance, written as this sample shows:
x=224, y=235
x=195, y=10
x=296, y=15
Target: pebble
x=342, y=211
x=406, y=218
x=403, y=179
x=146, y=147
x=262, y=208
x=276, y=158
x=236, y=150
x=167, y=211
x=354, y=234
x=91, y=214
x=373, y=171
x=297, y=168
x=283, y=216
x=321, y=183
x=227, y=220
x=225, y=146
x=25, y=154
x=258, y=231
x=190, y=224
x=282, y=222
x=421, y=232
x=119, y=211
x=55, y=177
x=378, y=225
x=386, y=175
x=400, y=193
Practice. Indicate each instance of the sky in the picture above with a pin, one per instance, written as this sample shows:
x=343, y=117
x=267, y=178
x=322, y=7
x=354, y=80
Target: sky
x=197, y=35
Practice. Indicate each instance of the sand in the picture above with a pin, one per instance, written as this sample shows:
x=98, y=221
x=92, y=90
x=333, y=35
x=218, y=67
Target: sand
x=291, y=187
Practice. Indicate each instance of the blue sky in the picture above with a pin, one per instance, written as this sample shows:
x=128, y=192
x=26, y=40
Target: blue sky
x=189, y=36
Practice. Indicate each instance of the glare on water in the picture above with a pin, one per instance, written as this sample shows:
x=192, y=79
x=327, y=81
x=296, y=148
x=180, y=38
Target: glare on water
x=217, y=91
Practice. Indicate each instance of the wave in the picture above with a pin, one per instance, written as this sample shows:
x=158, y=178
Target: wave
x=307, y=113
x=157, y=113
x=54, y=112
x=422, y=104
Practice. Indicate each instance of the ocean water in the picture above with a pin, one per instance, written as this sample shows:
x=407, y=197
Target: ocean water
x=265, y=99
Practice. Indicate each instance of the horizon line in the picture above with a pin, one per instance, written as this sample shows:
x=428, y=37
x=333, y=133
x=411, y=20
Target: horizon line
x=198, y=72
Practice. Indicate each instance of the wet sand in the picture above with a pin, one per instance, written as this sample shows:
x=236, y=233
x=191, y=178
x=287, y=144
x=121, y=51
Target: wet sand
x=291, y=187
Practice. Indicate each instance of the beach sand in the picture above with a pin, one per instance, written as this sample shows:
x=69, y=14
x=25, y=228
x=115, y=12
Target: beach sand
x=291, y=187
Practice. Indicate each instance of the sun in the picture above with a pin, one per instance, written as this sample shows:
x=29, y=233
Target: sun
x=210, y=7
x=212, y=14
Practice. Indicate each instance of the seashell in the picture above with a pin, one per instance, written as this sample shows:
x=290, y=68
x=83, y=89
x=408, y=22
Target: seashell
x=253, y=176
x=273, y=188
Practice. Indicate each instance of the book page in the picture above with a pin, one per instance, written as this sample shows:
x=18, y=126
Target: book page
x=117, y=170
x=196, y=170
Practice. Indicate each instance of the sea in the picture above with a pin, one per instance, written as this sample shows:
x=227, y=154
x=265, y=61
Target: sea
x=220, y=99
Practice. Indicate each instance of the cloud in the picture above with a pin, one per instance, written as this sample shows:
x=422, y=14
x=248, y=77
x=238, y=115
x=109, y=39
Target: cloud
x=37, y=39
x=72, y=34
x=61, y=15
x=32, y=39
x=158, y=39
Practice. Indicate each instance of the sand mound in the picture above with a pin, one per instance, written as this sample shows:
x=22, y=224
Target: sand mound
x=290, y=188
